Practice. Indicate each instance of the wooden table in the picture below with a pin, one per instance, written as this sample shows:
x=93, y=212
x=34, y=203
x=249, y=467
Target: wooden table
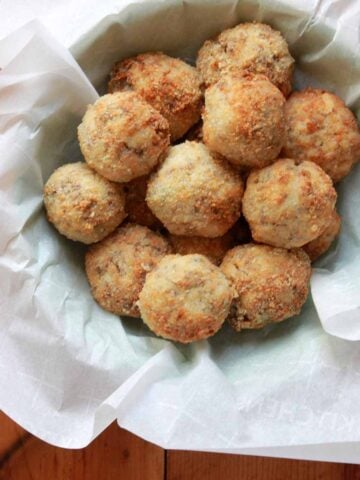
x=119, y=455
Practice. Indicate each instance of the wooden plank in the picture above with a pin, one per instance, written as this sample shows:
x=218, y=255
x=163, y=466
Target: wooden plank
x=115, y=454
x=10, y=434
x=352, y=472
x=119, y=455
x=209, y=466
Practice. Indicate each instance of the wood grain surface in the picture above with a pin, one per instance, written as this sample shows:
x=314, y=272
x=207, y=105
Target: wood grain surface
x=119, y=455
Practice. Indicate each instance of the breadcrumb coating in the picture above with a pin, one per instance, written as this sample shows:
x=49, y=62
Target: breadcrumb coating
x=288, y=204
x=116, y=267
x=185, y=298
x=122, y=137
x=168, y=84
x=321, y=244
x=244, y=120
x=247, y=48
x=321, y=129
x=195, y=193
x=272, y=284
x=81, y=204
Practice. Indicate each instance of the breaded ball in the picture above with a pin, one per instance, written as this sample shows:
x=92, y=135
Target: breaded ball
x=81, y=204
x=168, y=84
x=212, y=248
x=272, y=284
x=122, y=137
x=288, y=204
x=321, y=244
x=136, y=206
x=195, y=193
x=244, y=120
x=116, y=267
x=320, y=128
x=186, y=298
x=247, y=48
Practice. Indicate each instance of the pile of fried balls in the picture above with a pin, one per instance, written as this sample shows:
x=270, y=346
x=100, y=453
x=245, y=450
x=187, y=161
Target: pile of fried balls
x=206, y=191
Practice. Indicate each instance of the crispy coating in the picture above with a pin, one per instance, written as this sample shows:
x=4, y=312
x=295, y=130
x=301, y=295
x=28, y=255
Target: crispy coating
x=168, y=84
x=116, y=267
x=195, y=193
x=136, y=206
x=320, y=128
x=244, y=120
x=247, y=48
x=288, y=204
x=321, y=244
x=122, y=137
x=185, y=298
x=212, y=248
x=81, y=204
x=272, y=284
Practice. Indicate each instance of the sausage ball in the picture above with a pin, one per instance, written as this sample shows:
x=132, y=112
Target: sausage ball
x=212, y=248
x=195, y=192
x=272, y=284
x=186, y=298
x=136, y=206
x=122, y=137
x=321, y=244
x=81, y=204
x=116, y=267
x=247, y=48
x=288, y=204
x=168, y=84
x=320, y=128
x=244, y=120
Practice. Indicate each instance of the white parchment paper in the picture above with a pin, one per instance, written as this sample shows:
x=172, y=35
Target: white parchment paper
x=67, y=368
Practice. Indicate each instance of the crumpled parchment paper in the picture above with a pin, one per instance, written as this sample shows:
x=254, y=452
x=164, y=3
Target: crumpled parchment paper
x=67, y=368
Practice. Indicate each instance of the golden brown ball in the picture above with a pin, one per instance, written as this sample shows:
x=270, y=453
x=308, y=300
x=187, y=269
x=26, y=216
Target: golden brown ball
x=212, y=248
x=244, y=120
x=272, y=284
x=116, y=267
x=247, y=48
x=136, y=206
x=195, y=193
x=122, y=137
x=168, y=84
x=81, y=204
x=321, y=244
x=186, y=298
x=320, y=128
x=288, y=204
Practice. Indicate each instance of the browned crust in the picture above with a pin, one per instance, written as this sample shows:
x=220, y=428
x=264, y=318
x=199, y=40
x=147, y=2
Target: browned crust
x=247, y=48
x=81, y=204
x=271, y=283
x=321, y=129
x=288, y=204
x=116, y=267
x=178, y=98
x=185, y=298
x=320, y=245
